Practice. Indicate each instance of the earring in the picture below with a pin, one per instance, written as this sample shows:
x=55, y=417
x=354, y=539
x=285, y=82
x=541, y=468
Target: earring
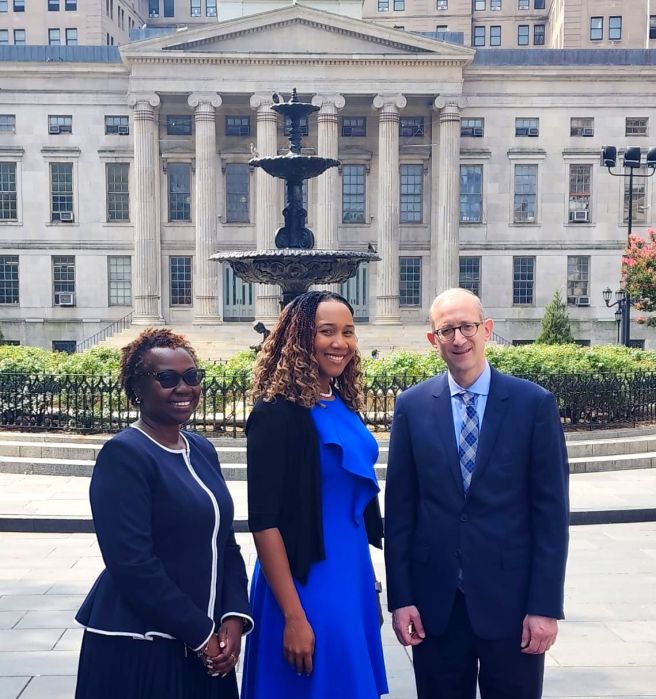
x=137, y=400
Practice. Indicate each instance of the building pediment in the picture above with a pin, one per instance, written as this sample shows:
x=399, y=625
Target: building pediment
x=298, y=31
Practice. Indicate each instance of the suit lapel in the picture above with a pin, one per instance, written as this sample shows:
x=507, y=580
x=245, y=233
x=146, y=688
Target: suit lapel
x=443, y=419
x=495, y=410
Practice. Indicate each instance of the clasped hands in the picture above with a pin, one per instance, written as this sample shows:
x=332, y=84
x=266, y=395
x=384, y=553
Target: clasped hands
x=538, y=632
x=221, y=653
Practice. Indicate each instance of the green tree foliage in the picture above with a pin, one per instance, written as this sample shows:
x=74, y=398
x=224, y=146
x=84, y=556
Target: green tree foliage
x=555, y=328
x=639, y=274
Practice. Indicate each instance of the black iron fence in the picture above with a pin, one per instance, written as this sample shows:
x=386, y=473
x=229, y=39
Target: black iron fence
x=97, y=404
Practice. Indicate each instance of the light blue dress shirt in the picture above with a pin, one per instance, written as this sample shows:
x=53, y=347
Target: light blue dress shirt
x=481, y=387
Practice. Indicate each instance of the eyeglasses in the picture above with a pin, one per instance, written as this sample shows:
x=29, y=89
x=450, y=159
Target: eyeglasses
x=448, y=334
x=170, y=378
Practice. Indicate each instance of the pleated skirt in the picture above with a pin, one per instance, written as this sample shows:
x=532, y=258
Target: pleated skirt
x=119, y=667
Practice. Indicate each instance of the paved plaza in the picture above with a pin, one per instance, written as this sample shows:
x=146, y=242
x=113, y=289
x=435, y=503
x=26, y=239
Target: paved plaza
x=607, y=646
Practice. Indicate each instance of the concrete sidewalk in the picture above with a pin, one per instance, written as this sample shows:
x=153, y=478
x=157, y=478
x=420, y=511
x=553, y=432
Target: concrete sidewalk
x=606, y=649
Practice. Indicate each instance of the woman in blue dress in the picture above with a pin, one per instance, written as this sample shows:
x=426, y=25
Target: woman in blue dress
x=313, y=510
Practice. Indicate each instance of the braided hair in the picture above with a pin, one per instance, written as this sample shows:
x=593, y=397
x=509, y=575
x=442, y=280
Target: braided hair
x=286, y=365
x=132, y=363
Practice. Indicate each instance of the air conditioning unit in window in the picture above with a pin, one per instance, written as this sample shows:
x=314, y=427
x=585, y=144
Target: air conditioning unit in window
x=65, y=128
x=53, y=129
x=521, y=132
x=582, y=300
x=347, y=130
x=580, y=216
x=123, y=130
x=478, y=132
x=66, y=216
x=587, y=132
x=533, y=132
x=65, y=298
x=467, y=131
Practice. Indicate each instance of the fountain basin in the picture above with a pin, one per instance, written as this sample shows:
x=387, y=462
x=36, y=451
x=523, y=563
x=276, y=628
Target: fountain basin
x=295, y=167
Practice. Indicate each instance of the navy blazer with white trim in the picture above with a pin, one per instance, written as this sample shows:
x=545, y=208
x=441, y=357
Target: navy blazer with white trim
x=163, y=519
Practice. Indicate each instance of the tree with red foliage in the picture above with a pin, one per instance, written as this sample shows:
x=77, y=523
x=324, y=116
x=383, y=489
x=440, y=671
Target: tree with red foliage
x=639, y=274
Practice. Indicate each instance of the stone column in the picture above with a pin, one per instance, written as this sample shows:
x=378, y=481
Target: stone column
x=206, y=277
x=146, y=206
x=387, y=302
x=327, y=218
x=267, y=208
x=445, y=245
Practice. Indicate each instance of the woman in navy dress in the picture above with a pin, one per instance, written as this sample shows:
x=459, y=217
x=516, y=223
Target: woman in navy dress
x=313, y=510
x=165, y=618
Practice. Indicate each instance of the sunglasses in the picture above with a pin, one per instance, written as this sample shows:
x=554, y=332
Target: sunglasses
x=170, y=378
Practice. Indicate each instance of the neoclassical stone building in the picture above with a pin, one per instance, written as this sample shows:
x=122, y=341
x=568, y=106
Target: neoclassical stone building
x=120, y=174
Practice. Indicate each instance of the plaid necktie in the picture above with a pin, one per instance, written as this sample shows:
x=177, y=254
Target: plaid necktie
x=468, y=438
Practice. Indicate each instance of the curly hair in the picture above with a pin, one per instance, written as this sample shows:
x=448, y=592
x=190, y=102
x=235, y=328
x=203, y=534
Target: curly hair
x=286, y=365
x=132, y=362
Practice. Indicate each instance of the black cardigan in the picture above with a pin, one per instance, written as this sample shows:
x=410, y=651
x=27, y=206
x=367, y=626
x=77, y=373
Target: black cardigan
x=284, y=483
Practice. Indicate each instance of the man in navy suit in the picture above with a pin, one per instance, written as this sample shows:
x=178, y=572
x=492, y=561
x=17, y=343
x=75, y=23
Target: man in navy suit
x=477, y=513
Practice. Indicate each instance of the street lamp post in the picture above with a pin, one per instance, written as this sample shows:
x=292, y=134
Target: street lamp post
x=632, y=162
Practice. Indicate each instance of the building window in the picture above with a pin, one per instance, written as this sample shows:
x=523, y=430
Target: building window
x=479, y=36
x=523, y=280
x=63, y=280
x=410, y=281
x=54, y=37
x=538, y=4
x=479, y=4
x=652, y=26
x=441, y=29
x=237, y=126
x=442, y=4
x=399, y=5
x=20, y=37
x=195, y=8
x=472, y=127
x=636, y=126
x=237, y=193
x=119, y=125
x=470, y=274
x=538, y=34
x=495, y=35
x=71, y=37
x=354, y=126
x=178, y=125
x=119, y=274
x=411, y=127
x=61, y=192
x=118, y=192
x=353, y=194
x=596, y=28
x=522, y=35
x=581, y=126
x=70, y=5
x=53, y=5
x=522, y=4
x=19, y=5
x=7, y=123
x=639, y=211
x=153, y=8
x=412, y=185
x=179, y=176
x=580, y=178
x=67, y=346
x=169, y=8
x=578, y=280
x=60, y=123
x=4, y=5
x=4, y=37
x=614, y=28
x=471, y=193
x=495, y=4
x=180, y=270
x=8, y=203
x=302, y=124
x=526, y=187
x=9, y=279
x=383, y=5
x=527, y=127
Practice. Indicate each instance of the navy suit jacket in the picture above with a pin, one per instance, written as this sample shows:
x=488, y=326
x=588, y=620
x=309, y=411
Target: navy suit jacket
x=509, y=535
